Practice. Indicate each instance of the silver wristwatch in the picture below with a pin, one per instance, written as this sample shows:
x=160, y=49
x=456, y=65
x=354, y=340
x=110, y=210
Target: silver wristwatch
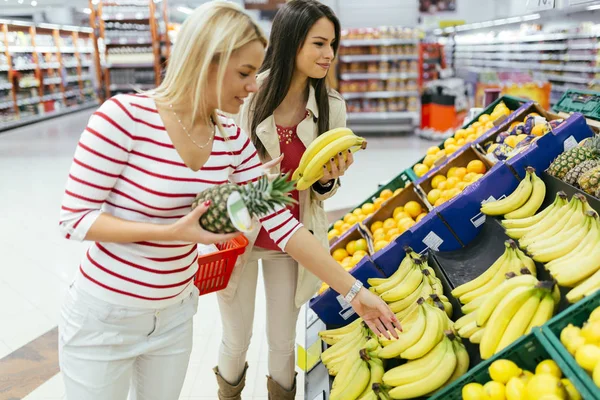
x=353, y=291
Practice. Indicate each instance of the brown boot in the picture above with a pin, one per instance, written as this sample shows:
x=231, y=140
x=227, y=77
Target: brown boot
x=276, y=392
x=228, y=391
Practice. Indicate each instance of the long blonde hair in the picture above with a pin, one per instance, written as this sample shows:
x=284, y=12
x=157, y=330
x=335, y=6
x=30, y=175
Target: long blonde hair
x=209, y=35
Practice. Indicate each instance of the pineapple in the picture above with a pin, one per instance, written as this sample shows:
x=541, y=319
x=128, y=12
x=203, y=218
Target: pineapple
x=597, y=194
x=571, y=158
x=574, y=174
x=590, y=181
x=258, y=199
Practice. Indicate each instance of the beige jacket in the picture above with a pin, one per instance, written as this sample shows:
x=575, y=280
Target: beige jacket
x=312, y=215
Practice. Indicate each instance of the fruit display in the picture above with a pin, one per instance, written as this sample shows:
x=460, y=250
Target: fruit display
x=520, y=135
x=324, y=148
x=456, y=179
x=361, y=213
x=257, y=200
x=523, y=202
x=348, y=255
x=398, y=220
x=461, y=137
x=587, y=150
x=584, y=344
x=510, y=382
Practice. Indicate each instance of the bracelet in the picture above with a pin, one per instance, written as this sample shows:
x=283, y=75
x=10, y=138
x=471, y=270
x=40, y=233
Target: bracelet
x=353, y=291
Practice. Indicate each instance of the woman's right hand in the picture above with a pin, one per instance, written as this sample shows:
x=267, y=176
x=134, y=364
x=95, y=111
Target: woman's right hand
x=188, y=229
x=376, y=314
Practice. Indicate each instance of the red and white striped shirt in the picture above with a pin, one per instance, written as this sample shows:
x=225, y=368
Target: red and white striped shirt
x=125, y=164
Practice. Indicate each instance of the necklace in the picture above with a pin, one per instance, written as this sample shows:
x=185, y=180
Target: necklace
x=188, y=134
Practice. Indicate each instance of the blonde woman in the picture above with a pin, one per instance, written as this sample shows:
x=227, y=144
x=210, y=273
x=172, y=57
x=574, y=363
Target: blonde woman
x=291, y=108
x=126, y=324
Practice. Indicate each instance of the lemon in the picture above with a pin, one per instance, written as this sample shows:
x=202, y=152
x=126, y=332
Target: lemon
x=339, y=254
x=421, y=216
x=360, y=245
x=595, y=315
x=357, y=211
x=338, y=225
x=358, y=256
x=413, y=209
x=548, y=367
x=368, y=208
x=572, y=393
x=347, y=262
x=386, y=194
x=397, y=210
x=376, y=225
x=526, y=376
x=451, y=172
x=398, y=191
x=472, y=391
x=494, y=391
x=587, y=356
x=544, y=384
x=401, y=215
x=380, y=245
x=436, y=180
x=571, y=338
x=451, y=182
x=420, y=169
x=503, y=370
x=351, y=220
x=389, y=224
x=516, y=389
x=429, y=160
x=333, y=234
x=591, y=332
x=433, y=195
x=350, y=247
x=433, y=150
x=394, y=232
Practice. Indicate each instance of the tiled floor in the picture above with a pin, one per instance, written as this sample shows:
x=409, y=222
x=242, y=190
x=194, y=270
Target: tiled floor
x=36, y=264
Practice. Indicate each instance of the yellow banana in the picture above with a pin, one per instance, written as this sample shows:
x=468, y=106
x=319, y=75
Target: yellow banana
x=473, y=305
x=346, y=376
x=587, y=265
x=316, y=145
x=405, y=288
x=476, y=337
x=538, y=193
x=340, y=349
x=585, y=247
x=406, y=266
x=569, y=242
x=314, y=170
x=500, y=318
x=377, y=372
x=483, y=278
x=332, y=336
x=543, y=313
x=353, y=389
x=423, y=290
x=526, y=261
x=469, y=330
x=433, y=335
x=585, y=288
x=464, y=320
x=408, y=337
x=462, y=361
x=547, y=223
x=559, y=201
x=519, y=323
x=513, y=201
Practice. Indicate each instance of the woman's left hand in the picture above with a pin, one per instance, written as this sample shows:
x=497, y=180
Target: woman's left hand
x=376, y=314
x=334, y=170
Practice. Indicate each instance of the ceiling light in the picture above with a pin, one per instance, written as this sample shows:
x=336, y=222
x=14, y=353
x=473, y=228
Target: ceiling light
x=185, y=10
x=594, y=7
x=20, y=1
x=33, y=3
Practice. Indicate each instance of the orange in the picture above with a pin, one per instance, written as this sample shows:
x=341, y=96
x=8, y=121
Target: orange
x=429, y=160
x=451, y=172
x=368, y=208
x=377, y=203
x=361, y=245
x=453, y=192
x=407, y=224
x=413, y=208
x=338, y=224
x=433, y=150
x=389, y=223
x=351, y=247
x=397, y=191
x=440, y=155
x=397, y=210
x=450, y=149
x=477, y=177
x=333, y=233
x=451, y=182
x=436, y=180
x=376, y=225
x=345, y=227
x=475, y=125
x=460, y=173
x=386, y=194
x=378, y=231
x=470, y=138
x=470, y=130
x=348, y=216
x=460, y=134
x=476, y=166
x=380, y=244
x=379, y=235
x=401, y=215
x=391, y=233
x=450, y=141
x=433, y=195
x=359, y=253
x=442, y=185
x=351, y=220
x=462, y=185
x=339, y=254
x=347, y=263
x=392, y=238
x=460, y=142
x=362, y=217
x=357, y=212
x=420, y=169
x=421, y=216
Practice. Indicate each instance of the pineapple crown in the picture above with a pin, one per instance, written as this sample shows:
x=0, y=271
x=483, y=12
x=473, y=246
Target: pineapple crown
x=593, y=143
x=264, y=196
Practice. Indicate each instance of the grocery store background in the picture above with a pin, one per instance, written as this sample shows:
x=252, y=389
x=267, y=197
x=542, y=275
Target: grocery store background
x=59, y=60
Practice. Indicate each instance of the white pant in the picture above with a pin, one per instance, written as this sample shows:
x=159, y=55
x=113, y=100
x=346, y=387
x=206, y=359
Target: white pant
x=280, y=273
x=105, y=349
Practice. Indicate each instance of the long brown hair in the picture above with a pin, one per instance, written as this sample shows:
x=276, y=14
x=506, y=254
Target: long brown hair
x=288, y=33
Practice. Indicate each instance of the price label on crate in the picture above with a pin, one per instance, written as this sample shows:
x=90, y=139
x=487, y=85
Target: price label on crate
x=540, y=5
x=570, y=143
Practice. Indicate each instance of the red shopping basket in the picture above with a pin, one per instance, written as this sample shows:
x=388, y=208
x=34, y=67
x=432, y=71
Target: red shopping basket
x=214, y=269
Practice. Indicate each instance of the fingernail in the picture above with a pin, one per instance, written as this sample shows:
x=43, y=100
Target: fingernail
x=324, y=166
x=349, y=151
x=207, y=203
x=340, y=153
x=331, y=158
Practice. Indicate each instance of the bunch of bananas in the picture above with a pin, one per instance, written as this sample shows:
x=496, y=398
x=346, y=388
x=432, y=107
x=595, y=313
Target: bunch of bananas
x=318, y=154
x=443, y=364
x=523, y=202
x=414, y=278
x=510, y=382
x=584, y=344
x=563, y=235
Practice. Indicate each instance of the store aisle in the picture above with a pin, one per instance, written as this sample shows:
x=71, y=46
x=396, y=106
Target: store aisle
x=37, y=263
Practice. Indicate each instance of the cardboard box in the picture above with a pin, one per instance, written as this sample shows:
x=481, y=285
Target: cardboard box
x=331, y=307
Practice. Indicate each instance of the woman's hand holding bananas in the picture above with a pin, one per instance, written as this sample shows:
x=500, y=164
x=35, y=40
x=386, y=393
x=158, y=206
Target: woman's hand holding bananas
x=336, y=168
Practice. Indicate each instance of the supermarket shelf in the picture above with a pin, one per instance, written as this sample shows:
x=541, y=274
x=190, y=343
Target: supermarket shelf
x=5, y=86
x=530, y=57
x=69, y=49
x=31, y=100
x=38, y=118
x=542, y=67
x=378, y=95
x=130, y=65
x=376, y=42
x=54, y=65
x=132, y=87
x=128, y=41
x=54, y=96
x=21, y=49
x=566, y=78
x=378, y=75
x=71, y=65
x=518, y=47
x=25, y=67
x=72, y=93
x=382, y=116
x=86, y=77
x=74, y=78
x=3, y=68
x=126, y=16
x=546, y=37
x=384, y=128
x=378, y=57
x=31, y=85
x=46, y=49
x=6, y=104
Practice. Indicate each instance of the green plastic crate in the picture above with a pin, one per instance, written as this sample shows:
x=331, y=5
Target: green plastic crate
x=586, y=102
x=577, y=314
x=527, y=353
x=513, y=103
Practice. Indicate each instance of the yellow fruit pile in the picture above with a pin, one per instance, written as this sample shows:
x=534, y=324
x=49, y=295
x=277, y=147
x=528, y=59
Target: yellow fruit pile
x=455, y=181
x=460, y=138
x=359, y=214
x=584, y=344
x=510, y=382
x=404, y=217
